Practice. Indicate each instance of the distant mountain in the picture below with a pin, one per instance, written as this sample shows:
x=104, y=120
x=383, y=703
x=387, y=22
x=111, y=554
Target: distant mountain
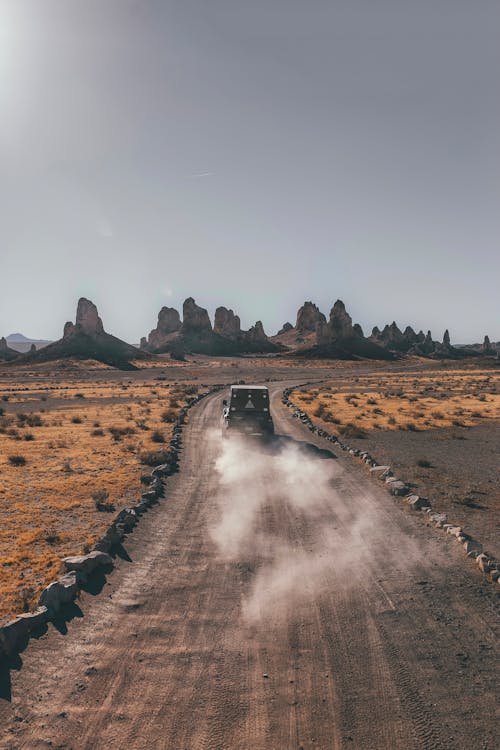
x=21, y=343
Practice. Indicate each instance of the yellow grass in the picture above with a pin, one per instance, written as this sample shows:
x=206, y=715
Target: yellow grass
x=47, y=508
x=428, y=400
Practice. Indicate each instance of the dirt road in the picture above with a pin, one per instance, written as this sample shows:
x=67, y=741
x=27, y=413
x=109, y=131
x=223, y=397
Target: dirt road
x=381, y=638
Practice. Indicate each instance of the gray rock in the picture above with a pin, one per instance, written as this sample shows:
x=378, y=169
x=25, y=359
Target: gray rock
x=13, y=635
x=381, y=472
x=471, y=545
x=87, y=564
x=35, y=619
x=484, y=562
x=416, y=502
x=398, y=488
x=62, y=591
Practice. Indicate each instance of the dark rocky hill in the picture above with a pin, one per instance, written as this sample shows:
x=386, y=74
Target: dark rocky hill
x=87, y=339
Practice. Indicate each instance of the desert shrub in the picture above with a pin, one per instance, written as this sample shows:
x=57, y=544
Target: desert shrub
x=17, y=460
x=28, y=436
x=332, y=419
x=476, y=414
x=372, y=401
x=79, y=395
x=146, y=479
x=458, y=423
x=424, y=463
x=141, y=424
x=411, y=426
x=437, y=415
x=34, y=420
x=377, y=411
x=5, y=397
x=66, y=467
x=97, y=433
x=320, y=409
x=351, y=430
x=157, y=436
x=52, y=537
x=76, y=420
x=2, y=411
x=118, y=432
x=96, y=424
x=154, y=458
x=168, y=415
x=102, y=502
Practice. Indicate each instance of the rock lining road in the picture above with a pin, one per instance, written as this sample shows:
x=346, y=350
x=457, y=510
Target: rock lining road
x=389, y=653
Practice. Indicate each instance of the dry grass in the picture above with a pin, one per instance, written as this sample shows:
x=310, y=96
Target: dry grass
x=86, y=440
x=402, y=401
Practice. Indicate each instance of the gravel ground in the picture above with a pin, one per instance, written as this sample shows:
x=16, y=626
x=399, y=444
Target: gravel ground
x=463, y=479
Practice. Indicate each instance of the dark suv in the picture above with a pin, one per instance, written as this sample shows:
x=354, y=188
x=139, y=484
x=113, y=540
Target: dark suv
x=248, y=411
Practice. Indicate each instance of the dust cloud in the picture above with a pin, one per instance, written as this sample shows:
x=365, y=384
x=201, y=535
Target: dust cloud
x=288, y=515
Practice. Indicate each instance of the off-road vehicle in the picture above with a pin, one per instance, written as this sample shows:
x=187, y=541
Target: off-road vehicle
x=248, y=411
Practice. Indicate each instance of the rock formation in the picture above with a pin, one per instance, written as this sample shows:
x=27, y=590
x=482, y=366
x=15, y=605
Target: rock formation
x=195, y=319
x=487, y=348
x=308, y=318
x=169, y=322
x=87, y=339
x=446, y=338
x=6, y=353
x=286, y=327
x=227, y=324
x=256, y=334
x=87, y=318
x=339, y=338
x=338, y=328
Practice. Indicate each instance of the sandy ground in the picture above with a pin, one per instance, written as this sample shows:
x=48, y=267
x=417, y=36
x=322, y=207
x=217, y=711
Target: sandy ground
x=331, y=619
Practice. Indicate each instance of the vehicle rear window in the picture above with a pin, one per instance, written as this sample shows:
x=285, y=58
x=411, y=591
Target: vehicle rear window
x=249, y=400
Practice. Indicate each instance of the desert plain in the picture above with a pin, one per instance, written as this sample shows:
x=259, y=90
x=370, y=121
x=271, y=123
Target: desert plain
x=337, y=620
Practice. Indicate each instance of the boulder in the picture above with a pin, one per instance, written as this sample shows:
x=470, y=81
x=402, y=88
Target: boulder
x=417, y=503
x=398, y=488
x=35, y=619
x=87, y=564
x=471, y=545
x=60, y=592
x=13, y=636
x=381, y=472
x=484, y=562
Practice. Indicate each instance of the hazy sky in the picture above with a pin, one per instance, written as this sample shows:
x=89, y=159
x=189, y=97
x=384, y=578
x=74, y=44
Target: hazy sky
x=251, y=153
